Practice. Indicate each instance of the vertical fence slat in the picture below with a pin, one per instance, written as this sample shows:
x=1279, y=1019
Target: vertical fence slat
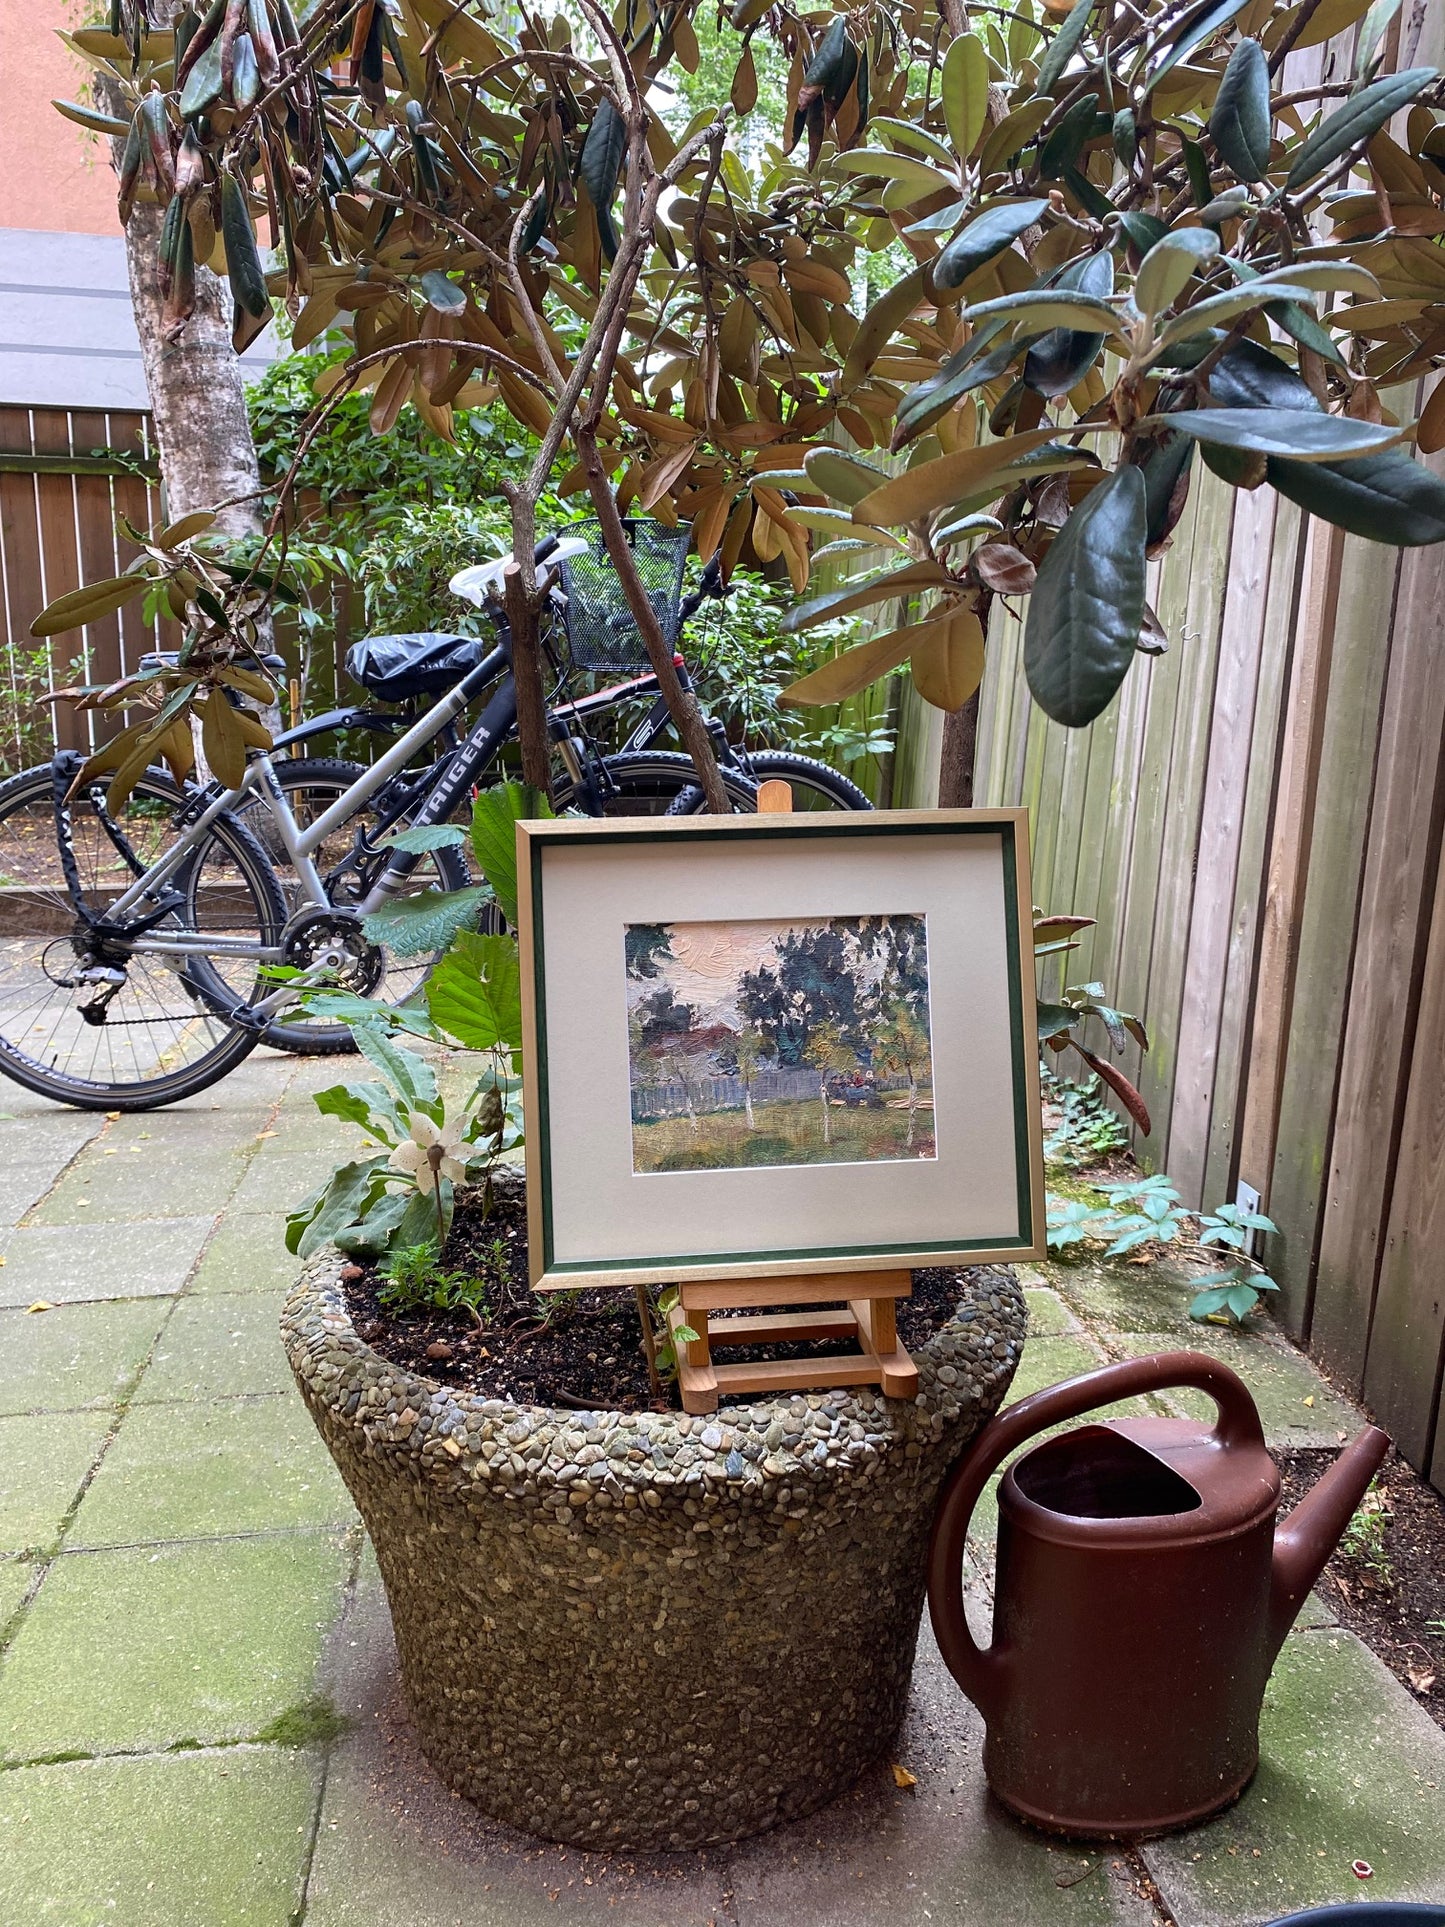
x=1330, y=887
x=1225, y=788
x=1402, y=848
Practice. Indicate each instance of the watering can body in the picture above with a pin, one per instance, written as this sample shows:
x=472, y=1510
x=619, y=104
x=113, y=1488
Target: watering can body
x=1142, y=1593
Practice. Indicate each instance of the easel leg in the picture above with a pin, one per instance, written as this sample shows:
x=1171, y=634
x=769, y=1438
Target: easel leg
x=878, y=1332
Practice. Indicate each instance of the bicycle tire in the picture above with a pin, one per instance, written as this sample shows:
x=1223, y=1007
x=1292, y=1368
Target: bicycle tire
x=331, y=776
x=807, y=775
x=38, y=921
x=648, y=783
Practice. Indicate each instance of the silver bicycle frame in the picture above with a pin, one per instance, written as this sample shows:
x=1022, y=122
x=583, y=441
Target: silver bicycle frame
x=300, y=845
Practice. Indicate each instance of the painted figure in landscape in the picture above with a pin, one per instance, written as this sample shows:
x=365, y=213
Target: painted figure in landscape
x=802, y=1041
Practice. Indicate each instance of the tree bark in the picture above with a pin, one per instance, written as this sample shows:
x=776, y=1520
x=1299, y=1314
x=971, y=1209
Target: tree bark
x=682, y=704
x=527, y=674
x=955, y=770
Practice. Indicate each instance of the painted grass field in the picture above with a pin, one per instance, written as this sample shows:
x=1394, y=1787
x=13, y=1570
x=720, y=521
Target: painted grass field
x=789, y=1131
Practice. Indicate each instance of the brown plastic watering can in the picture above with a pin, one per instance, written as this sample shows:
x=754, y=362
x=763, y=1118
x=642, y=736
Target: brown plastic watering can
x=1141, y=1597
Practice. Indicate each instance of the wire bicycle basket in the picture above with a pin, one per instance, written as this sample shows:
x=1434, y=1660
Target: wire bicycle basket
x=602, y=632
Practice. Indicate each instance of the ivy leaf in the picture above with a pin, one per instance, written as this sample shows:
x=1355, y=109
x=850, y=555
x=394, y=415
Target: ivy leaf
x=1088, y=603
x=1239, y=122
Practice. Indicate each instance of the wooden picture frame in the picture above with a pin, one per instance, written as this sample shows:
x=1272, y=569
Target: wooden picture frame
x=970, y=1192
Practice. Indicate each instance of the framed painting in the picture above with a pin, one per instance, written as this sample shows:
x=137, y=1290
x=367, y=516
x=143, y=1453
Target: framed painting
x=765, y=1046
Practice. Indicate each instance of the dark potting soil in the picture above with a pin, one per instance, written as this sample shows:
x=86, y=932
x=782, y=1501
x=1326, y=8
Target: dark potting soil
x=1388, y=1586
x=579, y=1349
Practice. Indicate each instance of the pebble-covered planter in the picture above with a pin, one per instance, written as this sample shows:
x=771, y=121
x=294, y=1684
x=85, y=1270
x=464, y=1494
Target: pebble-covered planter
x=643, y=1630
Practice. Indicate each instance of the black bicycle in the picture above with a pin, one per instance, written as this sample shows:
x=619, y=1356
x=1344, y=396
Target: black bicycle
x=133, y=945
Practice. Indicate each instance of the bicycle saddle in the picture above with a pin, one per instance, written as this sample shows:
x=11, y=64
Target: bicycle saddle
x=424, y=663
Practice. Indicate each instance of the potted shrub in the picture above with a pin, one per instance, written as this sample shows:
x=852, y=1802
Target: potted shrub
x=617, y=1625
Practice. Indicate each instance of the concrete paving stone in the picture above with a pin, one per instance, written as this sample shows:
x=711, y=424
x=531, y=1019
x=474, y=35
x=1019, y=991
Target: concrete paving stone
x=15, y=1578
x=177, y=1133
x=1296, y=1405
x=64, y=1262
x=184, y=1471
x=941, y=1851
x=219, y=1346
x=43, y=1462
x=247, y=1254
x=76, y=1355
x=1049, y=1316
x=1129, y=1298
x=280, y=1183
x=123, y=1189
x=140, y=1648
x=1351, y=1769
x=215, y=1839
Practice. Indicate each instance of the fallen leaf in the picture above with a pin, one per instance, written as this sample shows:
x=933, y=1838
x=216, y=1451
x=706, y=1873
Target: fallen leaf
x=1311, y=1399
x=902, y=1777
x=41, y=1304
x=1422, y=1682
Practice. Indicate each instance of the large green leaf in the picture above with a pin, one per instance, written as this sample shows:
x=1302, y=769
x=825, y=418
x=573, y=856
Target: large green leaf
x=1162, y=463
x=1062, y=48
x=1166, y=269
x=1361, y=116
x=964, y=89
x=1042, y=308
x=372, y=1106
x=601, y=168
x=495, y=816
x=1239, y=121
x=475, y=993
x=1065, y=355
x=979, y=360
x=410, y=1076
x=422, y=925
x=1386, y=497
x=1088, y=603
x=842, y=476
x=1249, y=376
x=985, y=236
x=1285, y=431
x=337, y=1204
x=1198, y=26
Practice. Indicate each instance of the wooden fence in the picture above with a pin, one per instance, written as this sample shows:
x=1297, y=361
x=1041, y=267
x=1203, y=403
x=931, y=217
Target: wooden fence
x=65, y=477
x=1256, y=824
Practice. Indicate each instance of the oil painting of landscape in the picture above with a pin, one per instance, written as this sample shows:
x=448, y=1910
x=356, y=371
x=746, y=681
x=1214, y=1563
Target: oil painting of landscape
x=778, y=1042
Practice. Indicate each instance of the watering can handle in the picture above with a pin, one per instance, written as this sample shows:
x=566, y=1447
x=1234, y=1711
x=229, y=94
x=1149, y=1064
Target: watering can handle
x=980, y=1673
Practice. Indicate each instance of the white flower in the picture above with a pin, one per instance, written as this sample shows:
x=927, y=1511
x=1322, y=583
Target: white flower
x=429, y=1153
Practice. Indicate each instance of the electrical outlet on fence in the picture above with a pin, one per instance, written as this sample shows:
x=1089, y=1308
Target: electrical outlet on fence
x=1247, y=1199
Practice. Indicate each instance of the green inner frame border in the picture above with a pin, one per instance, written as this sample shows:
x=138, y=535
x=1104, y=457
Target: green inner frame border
x=860, y=825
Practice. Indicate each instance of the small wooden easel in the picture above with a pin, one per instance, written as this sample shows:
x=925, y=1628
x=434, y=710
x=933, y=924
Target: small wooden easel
x=868, y=1312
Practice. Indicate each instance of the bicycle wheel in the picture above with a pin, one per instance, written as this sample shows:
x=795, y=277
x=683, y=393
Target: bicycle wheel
x=815, y=785
x=650, y=782
x=311, y=786
x=149, y=1032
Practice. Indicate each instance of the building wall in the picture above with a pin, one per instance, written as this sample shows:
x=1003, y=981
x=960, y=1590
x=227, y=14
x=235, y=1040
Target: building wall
x=53, y=174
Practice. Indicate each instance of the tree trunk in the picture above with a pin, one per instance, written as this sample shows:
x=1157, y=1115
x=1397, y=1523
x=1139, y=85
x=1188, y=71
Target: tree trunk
x=527, y=674
x=748, y=1106
x=912, y=1107
x=823, y=1100
x=955, y=771
x=197, y=396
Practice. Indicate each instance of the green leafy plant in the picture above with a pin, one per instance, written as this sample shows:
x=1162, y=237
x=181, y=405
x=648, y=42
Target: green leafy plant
x=1087, y=1130
x=1365, y=1540
x=415, y=1282
x=663, y=1359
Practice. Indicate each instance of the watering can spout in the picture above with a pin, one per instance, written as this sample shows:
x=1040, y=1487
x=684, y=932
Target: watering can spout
x=1312, y=1531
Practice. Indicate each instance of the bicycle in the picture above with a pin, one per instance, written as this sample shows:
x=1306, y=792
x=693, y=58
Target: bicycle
x=136, y=979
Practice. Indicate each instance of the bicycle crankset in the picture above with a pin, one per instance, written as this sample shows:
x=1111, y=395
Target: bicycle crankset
x=334, y=940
